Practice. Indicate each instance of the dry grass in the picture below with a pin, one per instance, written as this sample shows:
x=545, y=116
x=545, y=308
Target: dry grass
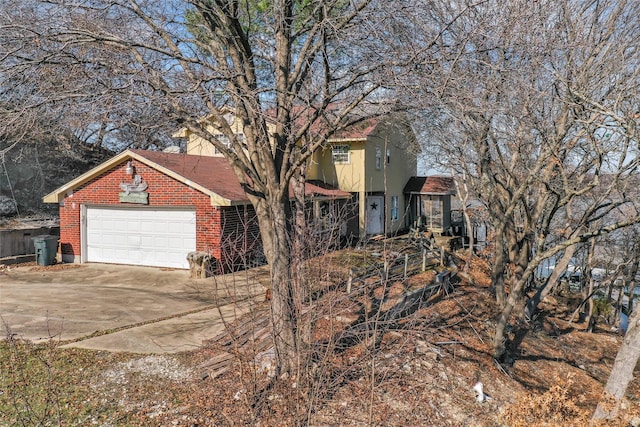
x=418, y=369
x=562, y=405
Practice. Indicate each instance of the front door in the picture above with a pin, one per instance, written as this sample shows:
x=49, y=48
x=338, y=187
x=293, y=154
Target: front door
x=375, y=214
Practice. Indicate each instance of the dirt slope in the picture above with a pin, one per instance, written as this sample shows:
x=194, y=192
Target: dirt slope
x=369, y=368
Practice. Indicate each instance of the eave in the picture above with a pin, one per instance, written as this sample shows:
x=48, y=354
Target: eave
x=57, y=195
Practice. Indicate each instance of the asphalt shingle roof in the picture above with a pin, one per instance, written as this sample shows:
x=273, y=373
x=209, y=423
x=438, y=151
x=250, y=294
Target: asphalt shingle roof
x=216, y=175
x=430, y=185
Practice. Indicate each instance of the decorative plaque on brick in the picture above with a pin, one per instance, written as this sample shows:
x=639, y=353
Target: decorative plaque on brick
x=141, y=197
x=133, y=192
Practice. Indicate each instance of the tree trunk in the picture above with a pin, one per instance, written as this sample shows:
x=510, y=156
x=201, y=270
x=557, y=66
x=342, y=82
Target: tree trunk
x=500, y=338
x=520, y=277
x=632, y=284
x=515, y=300
x=588, y=314
x=302, y=240
x=470, y=235
x=589, y=291
x=274, y=230
x=497, y=275
x=550, y=284
x=464, y=198
x=623, y=367
x=614, y=319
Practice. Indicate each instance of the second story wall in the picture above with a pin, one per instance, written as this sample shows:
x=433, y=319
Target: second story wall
x=390, y=163
x=341, y=164
x=383, y=158
x=390, y=160
x=199, y=146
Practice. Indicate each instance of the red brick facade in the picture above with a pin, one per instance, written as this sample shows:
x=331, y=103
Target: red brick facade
x=212, y=222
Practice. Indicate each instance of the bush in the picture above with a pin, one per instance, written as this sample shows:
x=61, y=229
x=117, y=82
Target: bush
x=553, y=408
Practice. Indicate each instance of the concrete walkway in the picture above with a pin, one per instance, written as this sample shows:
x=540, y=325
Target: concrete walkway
x=122, y=308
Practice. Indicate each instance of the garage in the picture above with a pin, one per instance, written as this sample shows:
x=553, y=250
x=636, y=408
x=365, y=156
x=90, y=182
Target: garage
x=140, y=208
x=158, y=237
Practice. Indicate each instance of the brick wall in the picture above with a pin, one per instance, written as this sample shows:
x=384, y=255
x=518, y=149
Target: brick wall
x=163, y=190
x=241, y=245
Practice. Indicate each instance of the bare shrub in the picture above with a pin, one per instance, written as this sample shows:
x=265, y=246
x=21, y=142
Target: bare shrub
x=553, y=408
x=559, y=406
x=341, y=336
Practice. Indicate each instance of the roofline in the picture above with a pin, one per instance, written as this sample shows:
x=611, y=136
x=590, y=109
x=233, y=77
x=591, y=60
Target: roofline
x=58, y=194
x=322, y=197
x=361, y=139
x=430, y=193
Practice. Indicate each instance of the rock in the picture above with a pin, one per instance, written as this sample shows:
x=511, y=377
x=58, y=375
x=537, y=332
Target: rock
x=426, y=364
x=426, y=350
x=422, y=347
x=266, y=362
x=199, y=265
x=8, y=206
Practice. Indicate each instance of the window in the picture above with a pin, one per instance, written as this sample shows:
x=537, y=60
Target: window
x=378, y=158
x=388, y=155
x=225, y=140
x=340, y=153
x=394, y=208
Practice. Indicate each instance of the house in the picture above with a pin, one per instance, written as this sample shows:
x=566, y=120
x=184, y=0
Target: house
x=153, y=208
x=371, y=160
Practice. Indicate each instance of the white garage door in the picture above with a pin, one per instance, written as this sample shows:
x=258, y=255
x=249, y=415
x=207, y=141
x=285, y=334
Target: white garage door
x=153, y=237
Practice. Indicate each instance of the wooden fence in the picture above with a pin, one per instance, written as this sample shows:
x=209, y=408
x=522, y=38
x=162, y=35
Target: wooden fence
x=396, y=266
x=253, y=333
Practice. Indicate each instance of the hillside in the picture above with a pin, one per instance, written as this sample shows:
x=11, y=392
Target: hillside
x=32, y=169
x=415, y=367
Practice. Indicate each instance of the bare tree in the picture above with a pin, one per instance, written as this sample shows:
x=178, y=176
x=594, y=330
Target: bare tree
x=536, y=104
x=52, y=86
x=629, y=353
x=292, y=72
x=623, y=367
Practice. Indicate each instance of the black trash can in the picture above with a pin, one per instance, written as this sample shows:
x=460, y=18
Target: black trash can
x=46, y=247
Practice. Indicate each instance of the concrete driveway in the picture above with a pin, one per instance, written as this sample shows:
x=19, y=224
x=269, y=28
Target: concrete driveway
x=122, y=308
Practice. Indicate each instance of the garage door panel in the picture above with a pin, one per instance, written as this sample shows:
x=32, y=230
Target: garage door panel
x=154, y=237
x=150, y=241
x=133, y=226
x=147, y=227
